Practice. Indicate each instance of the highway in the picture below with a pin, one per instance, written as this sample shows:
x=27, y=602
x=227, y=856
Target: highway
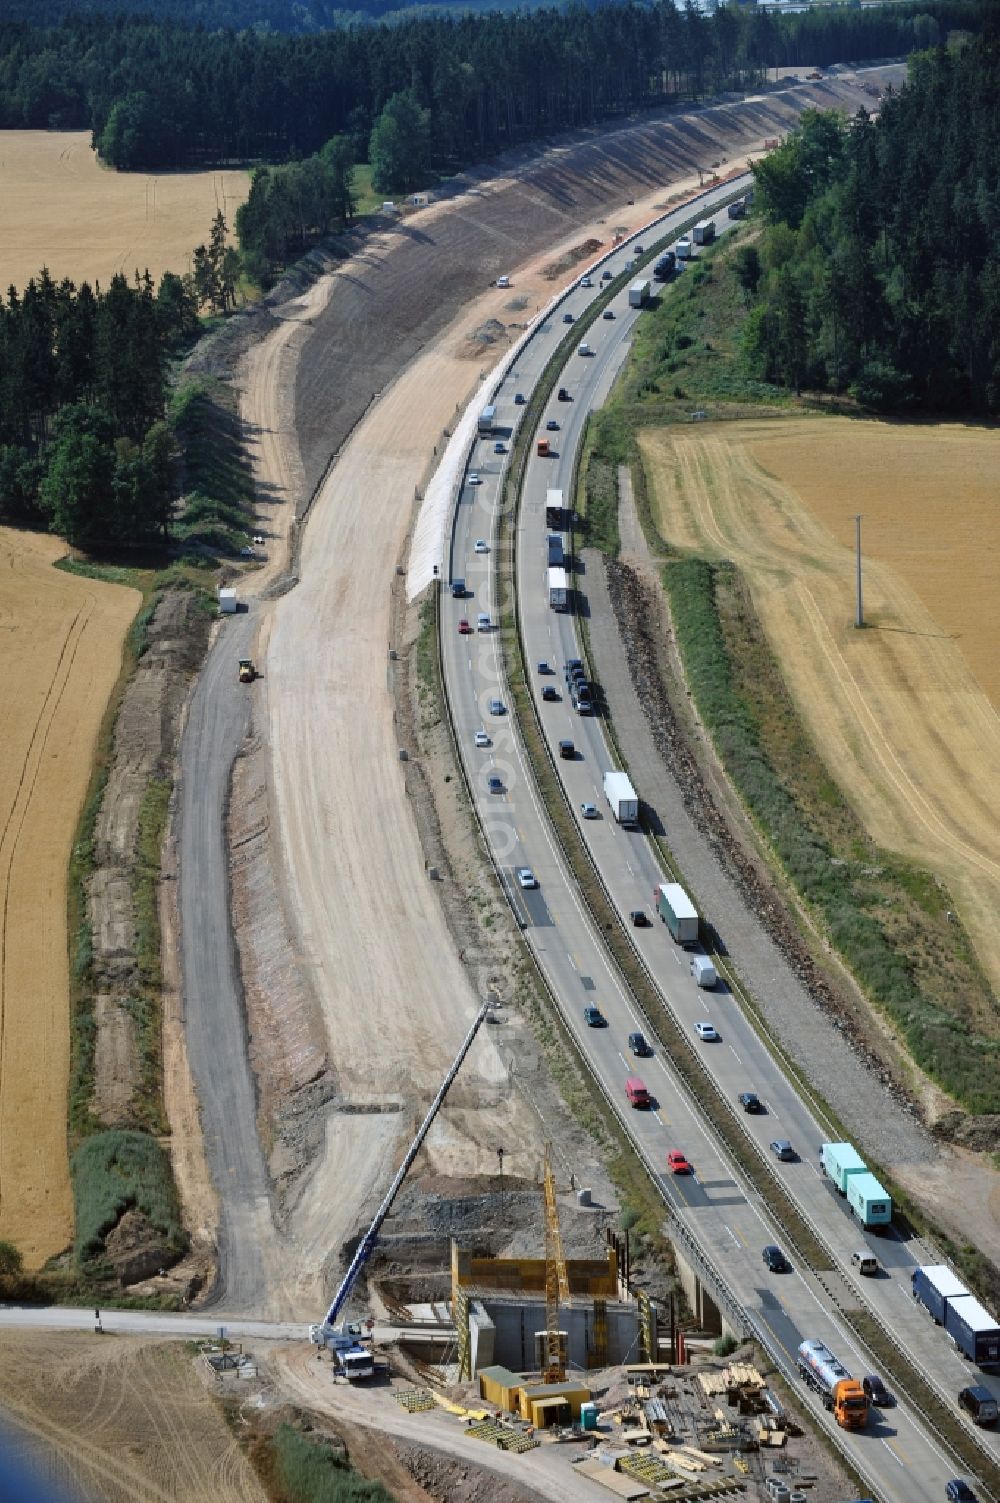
x=725, y=1218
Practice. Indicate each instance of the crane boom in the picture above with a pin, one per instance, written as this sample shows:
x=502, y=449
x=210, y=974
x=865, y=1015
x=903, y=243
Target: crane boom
x=367, y=1244
x=556, y=1278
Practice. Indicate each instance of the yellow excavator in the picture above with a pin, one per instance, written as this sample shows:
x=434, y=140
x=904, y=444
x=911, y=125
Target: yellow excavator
x=247, y=671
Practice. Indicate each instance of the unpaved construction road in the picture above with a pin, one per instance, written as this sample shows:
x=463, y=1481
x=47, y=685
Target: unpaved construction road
x=366, y=922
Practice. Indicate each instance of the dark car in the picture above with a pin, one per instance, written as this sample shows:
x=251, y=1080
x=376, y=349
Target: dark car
x=774, y=1259
x=550, y=691
x=567, y=318
x=957, y=1491
x=552, y=426
x=751, y=1102
x=594, y=1017
x=876, y=1391
x=783, y=1150
x=567, y=751
x=979, y=1403
x=605, y=276
x=638, y=1045
x=519, y=399
x=572, y=663
x=639, y=919
x=563, y=395
x=608, y=313
x=495, y=785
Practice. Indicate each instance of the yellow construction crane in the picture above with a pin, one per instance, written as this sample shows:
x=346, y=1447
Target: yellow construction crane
x=556, y=1279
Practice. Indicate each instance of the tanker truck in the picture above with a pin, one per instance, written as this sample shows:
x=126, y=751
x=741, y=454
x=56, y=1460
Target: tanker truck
x=841, y=1394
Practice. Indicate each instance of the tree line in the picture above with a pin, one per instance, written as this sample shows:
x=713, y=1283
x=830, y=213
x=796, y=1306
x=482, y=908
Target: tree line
x=84, y=447
x=878, y=270
x=162, y=94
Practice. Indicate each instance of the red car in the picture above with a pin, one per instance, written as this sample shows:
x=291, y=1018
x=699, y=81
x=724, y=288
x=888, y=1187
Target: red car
x=464, y=627
x=677, y=1163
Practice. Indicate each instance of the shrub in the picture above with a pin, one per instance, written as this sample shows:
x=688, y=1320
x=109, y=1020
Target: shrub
x=310, y=1471
x=113, y=1172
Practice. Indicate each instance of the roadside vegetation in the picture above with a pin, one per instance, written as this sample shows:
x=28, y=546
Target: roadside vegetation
x=299, y=1465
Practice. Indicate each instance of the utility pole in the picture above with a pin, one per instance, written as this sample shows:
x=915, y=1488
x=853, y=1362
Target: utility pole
x=859, y=618
x=500, y=1161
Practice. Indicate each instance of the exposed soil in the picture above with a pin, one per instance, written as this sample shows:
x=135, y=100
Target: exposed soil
x=145, y=744
x=60, y=655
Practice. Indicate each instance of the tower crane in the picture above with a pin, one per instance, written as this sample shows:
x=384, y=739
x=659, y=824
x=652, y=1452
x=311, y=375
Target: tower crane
x=556, y=1279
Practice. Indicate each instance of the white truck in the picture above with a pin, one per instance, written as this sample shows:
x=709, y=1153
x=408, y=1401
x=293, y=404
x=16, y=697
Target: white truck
x=351, y=1358
x=683, y=248
x=487, y=421
x=638, y=294
x=622, y=797
x=559, y=589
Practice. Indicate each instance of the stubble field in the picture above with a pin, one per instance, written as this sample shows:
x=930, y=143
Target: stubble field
x=63, y=210
x=123, y=1420
x=60, y=653
x=905, y=712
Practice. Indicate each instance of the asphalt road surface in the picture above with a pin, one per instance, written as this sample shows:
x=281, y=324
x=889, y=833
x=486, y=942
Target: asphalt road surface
x=726, y=1219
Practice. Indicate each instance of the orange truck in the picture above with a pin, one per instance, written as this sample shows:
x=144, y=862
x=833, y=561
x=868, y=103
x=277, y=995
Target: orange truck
x=543, y=447
x=841, y=1394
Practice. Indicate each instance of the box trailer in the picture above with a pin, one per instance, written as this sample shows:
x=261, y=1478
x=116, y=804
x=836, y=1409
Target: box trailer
x=933, y=1286
x=869, y=1201
x=840, y=1161
x=555, y=515
x=683, y=248
x=704, y=234
x=678, y=912
x=973, y=1330
x=622, y=797
x=555, y=547
x=228, y=602
x=558, y=590
x=638, y=294
x=487, y=420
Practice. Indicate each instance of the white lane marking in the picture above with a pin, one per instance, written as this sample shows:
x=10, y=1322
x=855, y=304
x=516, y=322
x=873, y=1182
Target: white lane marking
x=733, y=1235
x=736, y=1056
x=897, y=1459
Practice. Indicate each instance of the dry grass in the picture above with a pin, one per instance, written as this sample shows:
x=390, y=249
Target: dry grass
x=905, y=712
x=61, y=642
x=122, y=1419
x=63, y=210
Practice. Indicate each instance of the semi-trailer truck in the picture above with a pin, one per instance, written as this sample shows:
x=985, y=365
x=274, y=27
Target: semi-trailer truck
x=555, y=515
x=678, y=912
x=638, y=294
x=558, y=590
x=841, y=1394
x=622, y=797
x=869, y=1201
x=933, y=1286
x=555, y=547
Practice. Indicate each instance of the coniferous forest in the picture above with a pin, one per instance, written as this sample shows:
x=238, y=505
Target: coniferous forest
x=878, y=271
x=163, y=94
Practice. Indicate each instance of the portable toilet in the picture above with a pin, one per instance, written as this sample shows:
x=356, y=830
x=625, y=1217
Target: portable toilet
x=588, y=1415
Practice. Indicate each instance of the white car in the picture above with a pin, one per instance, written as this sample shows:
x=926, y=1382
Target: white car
x=481, y=546
x=586, y=282
x=474, y=478
x=482, y=739
x=706, y=1033
x=526, y=877
x=589, y=811
x=483, y=621
x=258, y=538
x=585, y=350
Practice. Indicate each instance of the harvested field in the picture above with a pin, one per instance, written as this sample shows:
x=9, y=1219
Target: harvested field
x=60, y=654
x=906, y=711
x=63, y=210
x=124, y=1420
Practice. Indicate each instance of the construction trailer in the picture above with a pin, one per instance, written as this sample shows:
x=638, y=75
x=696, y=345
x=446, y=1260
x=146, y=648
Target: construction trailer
x=228, y=602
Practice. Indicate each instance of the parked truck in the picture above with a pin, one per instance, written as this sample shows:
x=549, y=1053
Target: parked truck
x=555, y=514
x=869, y=1201
x=933, y=1286
x=558, y=590
x=678, y=912
x=973, y=1330
x=351, y=1359
x=622, y=797
x=839, y=1161
x=841, y=1394
x=487, y=421
x=638, y=294
x=555, y=547
x=704, y=234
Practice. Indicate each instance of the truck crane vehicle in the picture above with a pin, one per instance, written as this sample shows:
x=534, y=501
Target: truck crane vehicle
x=351, y=1358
